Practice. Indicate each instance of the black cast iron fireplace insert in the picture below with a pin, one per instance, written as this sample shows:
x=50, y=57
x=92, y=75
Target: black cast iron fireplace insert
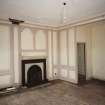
x=34, y=73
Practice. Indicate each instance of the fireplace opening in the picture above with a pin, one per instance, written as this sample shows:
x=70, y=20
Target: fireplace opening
x=34, y=72
x=34, y=76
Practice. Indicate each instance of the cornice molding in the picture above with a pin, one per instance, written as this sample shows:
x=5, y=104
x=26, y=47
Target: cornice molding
x=30, y=24
x=82, y=22
x=59, y=27
x=2, y=21
x=40, y=26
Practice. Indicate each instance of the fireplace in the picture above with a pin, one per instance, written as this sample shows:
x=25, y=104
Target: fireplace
x=33, y=72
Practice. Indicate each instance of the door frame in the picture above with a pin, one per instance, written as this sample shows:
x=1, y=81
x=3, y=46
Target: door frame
x=85, y=59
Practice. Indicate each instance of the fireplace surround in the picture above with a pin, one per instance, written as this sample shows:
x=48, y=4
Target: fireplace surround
x=34, y=72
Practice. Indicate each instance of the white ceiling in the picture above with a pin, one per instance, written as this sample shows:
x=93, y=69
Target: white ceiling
x=48, y=12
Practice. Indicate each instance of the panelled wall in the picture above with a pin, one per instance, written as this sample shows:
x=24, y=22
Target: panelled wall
x=34, y=42
x=83, y=35
x=43, y=44
x=67, y=55
x=17, y=43
x=55, y=53
x=58, y=47
x=98, y=50
x=27, y=42
x=6, y=59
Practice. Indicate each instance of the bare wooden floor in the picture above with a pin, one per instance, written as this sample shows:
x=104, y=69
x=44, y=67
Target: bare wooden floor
x=59, y=93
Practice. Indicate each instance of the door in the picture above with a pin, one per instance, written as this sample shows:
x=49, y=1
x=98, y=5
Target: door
x=81, y=63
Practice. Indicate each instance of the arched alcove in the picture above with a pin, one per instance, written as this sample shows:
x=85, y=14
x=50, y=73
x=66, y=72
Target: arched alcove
x=34, y=75
x=27, y=39
x=40, y=40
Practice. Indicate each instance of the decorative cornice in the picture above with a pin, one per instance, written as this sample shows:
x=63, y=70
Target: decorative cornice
x=40, y=26
x=30, y=24
x=58, y=27
x=15, y=21
x=2, y=21
x=82, y=22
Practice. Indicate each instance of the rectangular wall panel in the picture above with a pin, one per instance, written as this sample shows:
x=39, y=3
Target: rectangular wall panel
x=71, y=44
x=63, y=48
x=34, y=54
x=5, y=81
x=5, y=57
x=40, y=40
x=72, y=75
x=56, y=73
x=72, y=56
x=50, y=69
x=4, y=48
x=55, y=48
x=27, y=39
x=98, y=51
x=64, y=73
x=16, y=56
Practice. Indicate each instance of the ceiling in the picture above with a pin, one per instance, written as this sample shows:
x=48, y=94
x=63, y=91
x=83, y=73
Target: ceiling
x=48, y=12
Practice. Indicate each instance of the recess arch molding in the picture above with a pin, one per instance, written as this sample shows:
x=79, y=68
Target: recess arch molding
x=27, y=39
x=40, y=40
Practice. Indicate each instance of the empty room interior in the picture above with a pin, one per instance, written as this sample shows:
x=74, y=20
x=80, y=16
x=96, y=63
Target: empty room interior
x=52, y=52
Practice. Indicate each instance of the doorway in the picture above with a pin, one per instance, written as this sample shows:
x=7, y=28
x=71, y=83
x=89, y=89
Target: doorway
x=81, y=56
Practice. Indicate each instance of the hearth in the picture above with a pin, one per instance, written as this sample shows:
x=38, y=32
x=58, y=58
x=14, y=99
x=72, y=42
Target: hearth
x=34, y=72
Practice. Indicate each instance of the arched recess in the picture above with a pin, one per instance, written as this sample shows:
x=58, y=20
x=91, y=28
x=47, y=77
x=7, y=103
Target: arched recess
x=40, y=40
x=27, y=39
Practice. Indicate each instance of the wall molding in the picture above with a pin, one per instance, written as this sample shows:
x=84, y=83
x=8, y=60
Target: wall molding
x=46, y=29
x=81, y=21
x=34, y=50
x=4, y=72
x=34, y=35
x=70, y=68
x=10, y=71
